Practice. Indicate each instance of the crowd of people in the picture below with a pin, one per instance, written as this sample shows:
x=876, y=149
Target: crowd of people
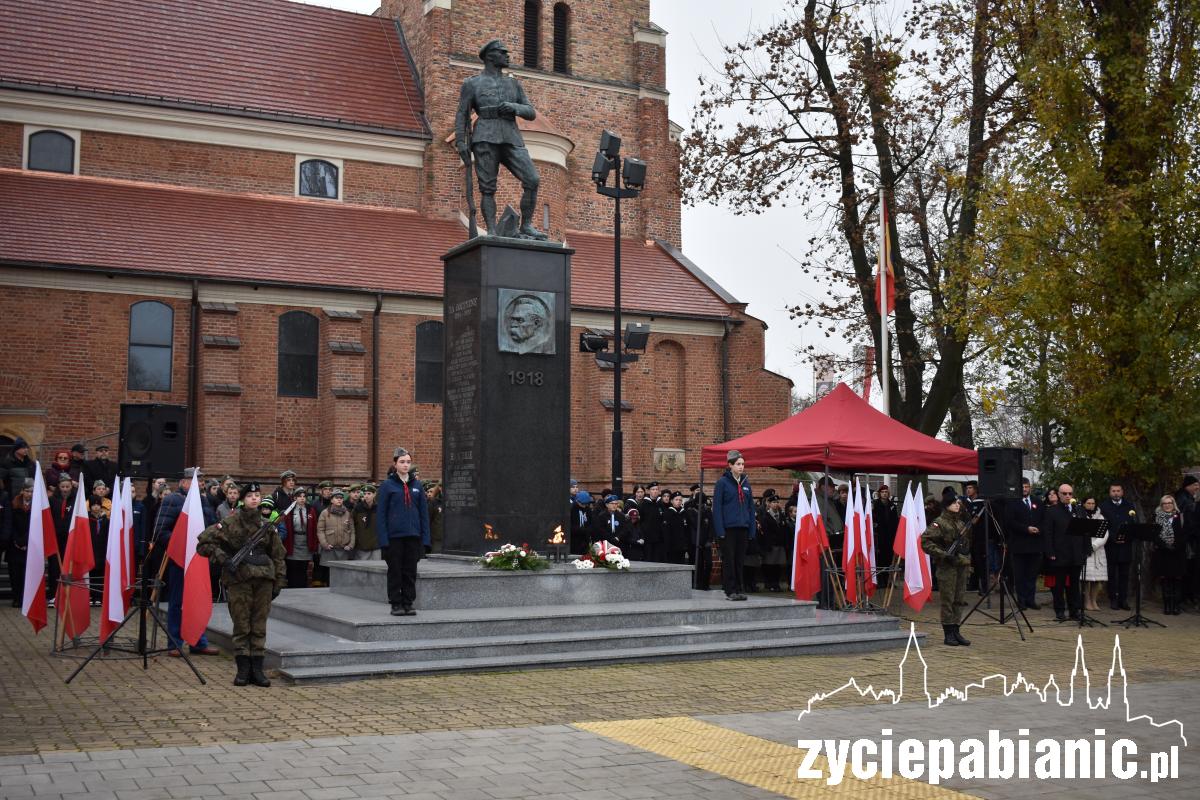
x=749, y=537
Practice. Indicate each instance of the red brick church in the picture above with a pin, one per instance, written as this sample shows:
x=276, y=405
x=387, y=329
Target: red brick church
x=239, y=206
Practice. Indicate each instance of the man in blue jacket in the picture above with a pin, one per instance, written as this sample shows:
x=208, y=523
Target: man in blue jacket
x=734, y=522
x=402, y=522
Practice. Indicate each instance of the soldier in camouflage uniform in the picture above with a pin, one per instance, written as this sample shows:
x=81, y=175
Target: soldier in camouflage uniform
x=938, y=541
x=253, y=586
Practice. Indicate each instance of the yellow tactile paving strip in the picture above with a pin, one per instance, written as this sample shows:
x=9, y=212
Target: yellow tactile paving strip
x=755, y=762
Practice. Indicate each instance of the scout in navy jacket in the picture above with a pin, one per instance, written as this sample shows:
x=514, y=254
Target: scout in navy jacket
x=401, y=510
x=733, y=505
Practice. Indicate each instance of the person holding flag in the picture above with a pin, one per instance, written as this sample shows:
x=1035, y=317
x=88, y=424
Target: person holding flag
x=252, y=584
x=163, y=544
x=948, y=541
x=41, y=544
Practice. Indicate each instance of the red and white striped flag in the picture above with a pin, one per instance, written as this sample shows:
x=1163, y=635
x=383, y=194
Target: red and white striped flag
x=42, y=545
x=197, y=586
x=917, y=581
x=117, y=567
x=73, y=601
x=818, y=520
x=806, y=552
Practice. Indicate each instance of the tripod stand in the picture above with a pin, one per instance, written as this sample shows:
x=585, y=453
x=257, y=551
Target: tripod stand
x=1140, y=532
x=1005, y=591
x=142, y=608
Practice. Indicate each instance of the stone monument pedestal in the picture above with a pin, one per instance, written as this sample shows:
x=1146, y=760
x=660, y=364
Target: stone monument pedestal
x=506, y=415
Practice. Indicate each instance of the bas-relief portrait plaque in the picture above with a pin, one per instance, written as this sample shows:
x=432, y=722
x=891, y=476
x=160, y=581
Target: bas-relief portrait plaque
x=525, y=321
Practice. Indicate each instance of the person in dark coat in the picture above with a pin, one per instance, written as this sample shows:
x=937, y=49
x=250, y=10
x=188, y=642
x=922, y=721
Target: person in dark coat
x=651, y=522
x=16, y=525
x=287, y=487
x=100, y=468
x=698, y=513
x=610, y=524
x=1065, y=555
x=774, y=535
x=1167, y=560
x=886, y=519
x=402, y=524
x=16, y=467
x=164, y=525
x=675, y=532
x=734, y=523
x=1026, y=544
x=1119, y=549
x=1187, y=500
x=581, y=521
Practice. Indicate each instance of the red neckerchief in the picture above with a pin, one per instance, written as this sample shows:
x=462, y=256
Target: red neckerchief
x=407, y=493
x=741, y=494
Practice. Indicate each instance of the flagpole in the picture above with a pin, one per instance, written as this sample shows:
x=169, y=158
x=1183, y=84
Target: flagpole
x=884, y=262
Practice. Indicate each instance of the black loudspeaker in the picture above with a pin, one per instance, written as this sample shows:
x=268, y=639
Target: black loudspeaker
x=153, y=440
x=1000, y=472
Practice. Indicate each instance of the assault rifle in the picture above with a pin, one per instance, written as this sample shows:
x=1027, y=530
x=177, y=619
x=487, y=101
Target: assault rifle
x=237, y=559
x=961, y=541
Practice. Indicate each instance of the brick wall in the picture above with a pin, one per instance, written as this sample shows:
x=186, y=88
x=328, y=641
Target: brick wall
x=80, y=370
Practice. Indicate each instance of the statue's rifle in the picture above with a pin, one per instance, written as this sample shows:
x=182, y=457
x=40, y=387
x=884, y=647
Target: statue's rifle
x=472, y=225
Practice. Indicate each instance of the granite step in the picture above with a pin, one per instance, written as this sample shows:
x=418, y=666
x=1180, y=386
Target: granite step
x=839, y=643
x=360, y=620
x=297, y=647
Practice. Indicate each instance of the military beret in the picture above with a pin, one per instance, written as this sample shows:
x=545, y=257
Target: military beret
x=78, y=448
x=287, y=473
x=370, y=487
x=251, y=486
x=612, y=498
x=338, y=493
x=99, y=482
x=325, y=485
x=299, y=490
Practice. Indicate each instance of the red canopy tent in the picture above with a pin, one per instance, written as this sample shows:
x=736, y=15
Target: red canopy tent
x=842, y=432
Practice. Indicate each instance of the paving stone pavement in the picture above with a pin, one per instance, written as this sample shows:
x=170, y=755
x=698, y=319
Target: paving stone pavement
x=146, y=720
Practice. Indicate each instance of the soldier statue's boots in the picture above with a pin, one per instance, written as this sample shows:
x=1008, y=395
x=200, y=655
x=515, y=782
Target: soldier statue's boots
x=257, y=676
x=962, y=640
x=951, y=640
x=529, y=232
x=243, y=673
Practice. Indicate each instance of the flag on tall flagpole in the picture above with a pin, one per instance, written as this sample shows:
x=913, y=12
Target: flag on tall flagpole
x=806, y=556
x=74, y=599
x=42, y=545
x=113, y=604
x=884, y=273
x=197, y=586
x=918, y=584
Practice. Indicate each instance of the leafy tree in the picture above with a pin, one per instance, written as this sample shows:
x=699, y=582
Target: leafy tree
x=1091, y=234
x=823, y=108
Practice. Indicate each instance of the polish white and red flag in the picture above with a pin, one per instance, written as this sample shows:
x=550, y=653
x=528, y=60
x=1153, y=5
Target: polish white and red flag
x=118, y=566
x=917, y=581
x=42, y=545
x=806, y=552
x=818, y=520
x=73, y=601
x=197, y=586
x=868, y=532
x=852, y=553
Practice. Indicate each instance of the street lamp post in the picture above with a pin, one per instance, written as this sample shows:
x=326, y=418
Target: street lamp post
x=628, y=180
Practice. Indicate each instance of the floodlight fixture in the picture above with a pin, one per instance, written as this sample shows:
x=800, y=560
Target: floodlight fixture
x=634, y=173
x=637, y=335
x=610, y=144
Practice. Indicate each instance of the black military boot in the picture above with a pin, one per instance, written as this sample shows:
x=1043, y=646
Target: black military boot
x=243, y=673
x=950, y=639
x=965, y=642
x=257, y=676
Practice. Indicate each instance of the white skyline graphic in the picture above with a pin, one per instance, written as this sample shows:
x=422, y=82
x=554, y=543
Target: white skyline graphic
x=1043, y=692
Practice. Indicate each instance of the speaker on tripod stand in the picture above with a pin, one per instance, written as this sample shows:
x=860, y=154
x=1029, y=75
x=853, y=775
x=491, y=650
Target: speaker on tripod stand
x=153, y=440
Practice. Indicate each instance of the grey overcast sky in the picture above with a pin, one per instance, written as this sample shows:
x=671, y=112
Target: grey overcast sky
x=745, y=254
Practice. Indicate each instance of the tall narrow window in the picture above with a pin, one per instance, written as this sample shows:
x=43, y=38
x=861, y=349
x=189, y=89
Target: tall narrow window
x=318, y=178
x=562, y=29
x=429, y=362
x=533, y=32
x=51, y=151
x=298, y=335
x=151, y=334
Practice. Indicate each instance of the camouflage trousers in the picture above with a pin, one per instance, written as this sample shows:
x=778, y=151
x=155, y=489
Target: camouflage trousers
x=952, y=583
x=249, y=605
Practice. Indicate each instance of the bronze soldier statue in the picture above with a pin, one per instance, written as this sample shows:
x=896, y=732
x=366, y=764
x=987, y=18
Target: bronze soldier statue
x=247, y=548
x=497, y=100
